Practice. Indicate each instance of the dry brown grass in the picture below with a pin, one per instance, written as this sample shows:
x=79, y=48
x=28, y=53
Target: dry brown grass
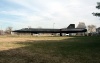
x=9, y=42
x=12, y=52
x=21, y=39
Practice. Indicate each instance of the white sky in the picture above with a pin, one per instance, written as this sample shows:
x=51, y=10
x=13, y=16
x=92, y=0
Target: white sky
x=43, y=13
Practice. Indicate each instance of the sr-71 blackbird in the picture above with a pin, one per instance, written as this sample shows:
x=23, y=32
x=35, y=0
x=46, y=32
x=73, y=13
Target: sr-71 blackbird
x=70, y=29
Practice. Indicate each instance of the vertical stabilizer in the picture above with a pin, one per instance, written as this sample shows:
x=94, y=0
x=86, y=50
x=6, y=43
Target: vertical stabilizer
x=71, y=26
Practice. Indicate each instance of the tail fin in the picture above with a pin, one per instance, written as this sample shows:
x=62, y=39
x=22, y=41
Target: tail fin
x=71, y=26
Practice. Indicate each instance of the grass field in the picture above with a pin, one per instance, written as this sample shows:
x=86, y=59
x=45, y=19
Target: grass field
x=28, y=49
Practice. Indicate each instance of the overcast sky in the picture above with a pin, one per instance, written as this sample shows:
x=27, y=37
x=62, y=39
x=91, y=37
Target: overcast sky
x=44, y=13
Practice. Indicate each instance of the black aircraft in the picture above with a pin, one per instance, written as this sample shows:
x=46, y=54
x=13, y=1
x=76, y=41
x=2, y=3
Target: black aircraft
x=70, y=29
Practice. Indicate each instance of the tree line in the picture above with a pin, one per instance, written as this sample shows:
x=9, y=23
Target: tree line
x=7, y=31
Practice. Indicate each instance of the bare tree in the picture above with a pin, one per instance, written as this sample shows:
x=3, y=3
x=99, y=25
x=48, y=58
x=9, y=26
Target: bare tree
x=81, y=25
x=1, y=32
x=91, y=28
x=8, y=30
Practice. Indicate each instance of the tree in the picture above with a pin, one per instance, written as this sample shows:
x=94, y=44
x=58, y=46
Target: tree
x=8, y=30
x=91, y=28
x=98, y=7
x=81, y=25
x=1, y=32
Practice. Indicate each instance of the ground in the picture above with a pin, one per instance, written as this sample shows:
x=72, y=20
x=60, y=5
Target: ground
x=30, y=49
